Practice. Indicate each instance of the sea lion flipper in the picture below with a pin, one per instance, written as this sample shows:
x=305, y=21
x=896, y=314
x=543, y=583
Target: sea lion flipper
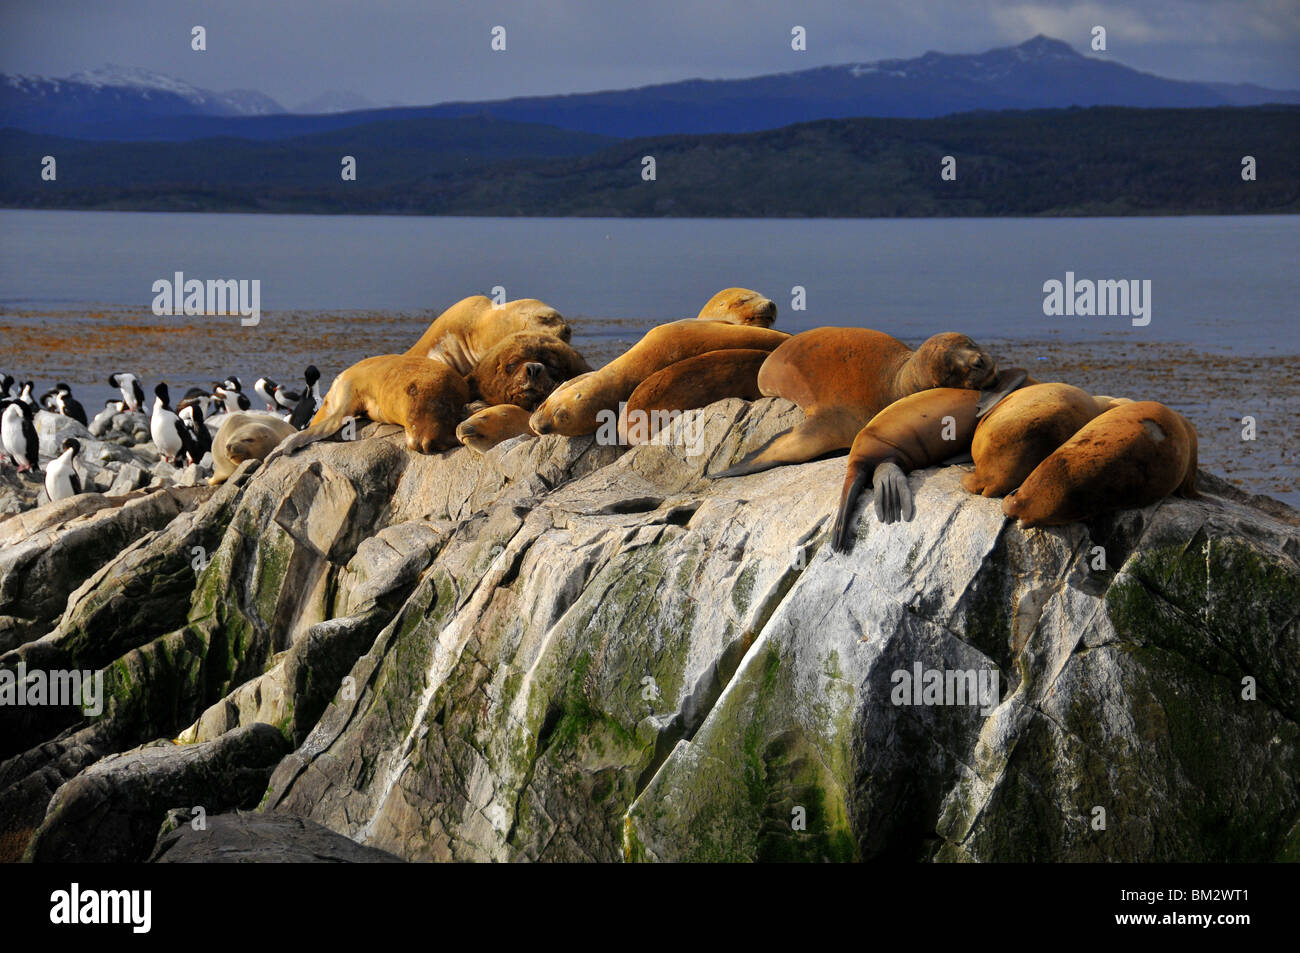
x=893, y=495
x=1007, y=381
x=816, y=437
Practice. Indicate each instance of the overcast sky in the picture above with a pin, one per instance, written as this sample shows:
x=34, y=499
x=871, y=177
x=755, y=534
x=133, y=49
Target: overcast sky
x=425, y=51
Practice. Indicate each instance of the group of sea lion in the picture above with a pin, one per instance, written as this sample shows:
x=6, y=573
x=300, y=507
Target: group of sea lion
x=485, y=372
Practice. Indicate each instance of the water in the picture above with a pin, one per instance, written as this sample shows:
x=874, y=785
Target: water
x=1223, y=341
x=1226, y=284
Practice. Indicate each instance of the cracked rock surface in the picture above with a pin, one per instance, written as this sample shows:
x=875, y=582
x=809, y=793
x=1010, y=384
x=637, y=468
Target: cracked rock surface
x=561, y=651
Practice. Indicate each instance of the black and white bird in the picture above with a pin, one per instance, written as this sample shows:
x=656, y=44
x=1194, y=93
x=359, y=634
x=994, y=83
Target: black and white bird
x=18, y=434
x=61, y=480
x=232, y=400
x=265, y=389
x=309, y=402
x=6, y=386
x=129, y=385
x=170, y=436
x=25, y=394
x=68, y=405
x=191, y=414
x=207, y=403
x=285, y=399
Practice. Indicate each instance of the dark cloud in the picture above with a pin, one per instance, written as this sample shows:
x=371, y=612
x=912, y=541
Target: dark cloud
x=421, y=51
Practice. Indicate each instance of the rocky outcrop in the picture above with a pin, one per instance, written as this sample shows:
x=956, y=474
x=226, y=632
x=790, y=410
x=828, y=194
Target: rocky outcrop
x=111, y=811
x=562, y=651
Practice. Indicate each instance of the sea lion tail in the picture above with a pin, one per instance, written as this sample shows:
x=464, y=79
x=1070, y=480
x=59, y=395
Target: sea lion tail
x=853, y=484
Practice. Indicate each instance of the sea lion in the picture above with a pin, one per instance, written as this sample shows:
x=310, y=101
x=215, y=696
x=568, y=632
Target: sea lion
x=574, y=410
x=739, y=306
x=463, y=334
x=426, y=397
x=245, y=437
x=493, y=425
x=842, y=377
x=1128, y=457
x=523, y=369
x=1021, y=431
x=919, y=430
x=695, y=382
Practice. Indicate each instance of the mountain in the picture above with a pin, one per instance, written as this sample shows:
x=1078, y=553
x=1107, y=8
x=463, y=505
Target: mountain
x=113, y=95
x=1095, y=161
x=1040, y=73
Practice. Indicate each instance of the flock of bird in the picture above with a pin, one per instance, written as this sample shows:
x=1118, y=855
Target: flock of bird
x=182, y=435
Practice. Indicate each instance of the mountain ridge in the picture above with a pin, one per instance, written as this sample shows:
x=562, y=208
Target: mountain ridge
x=1041, y=73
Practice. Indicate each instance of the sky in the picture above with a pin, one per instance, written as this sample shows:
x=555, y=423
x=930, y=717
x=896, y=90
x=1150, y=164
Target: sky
x=424, y=51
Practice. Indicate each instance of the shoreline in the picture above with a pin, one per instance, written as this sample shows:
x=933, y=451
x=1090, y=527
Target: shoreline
x=1213, y=389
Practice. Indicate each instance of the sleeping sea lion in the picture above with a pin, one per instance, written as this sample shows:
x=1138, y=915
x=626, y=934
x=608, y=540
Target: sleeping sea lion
x=1128, y=457
x=1022, y=430
x=243, y=437
x=739, y=306
x=493, y=425
x=842, y=377
x=574, y=410
x=426, y=397
x=695, y=382
x=463, y=334
x=920, y=430
x=523, y=369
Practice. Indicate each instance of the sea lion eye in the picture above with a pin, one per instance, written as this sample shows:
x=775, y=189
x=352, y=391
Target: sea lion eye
x=510, y=368
x=978, y=362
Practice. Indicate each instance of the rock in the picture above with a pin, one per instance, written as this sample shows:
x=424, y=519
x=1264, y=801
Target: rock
x=262, y=839
x=563, y=651
x=129, y=477
x=53, y=429
x=51, y=551
x=111, y=812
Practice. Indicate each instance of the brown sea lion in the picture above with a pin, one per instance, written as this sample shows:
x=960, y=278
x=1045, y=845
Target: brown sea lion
x=426, y=397
x=1022, y=430
x=920, y=430
x=245, y=437
x=575, y=410
x=842, y=377
x=463, y=334
x=695, y=382
x=493, y=425
x=523, y=369
x=1128, y=457
x=739, y=306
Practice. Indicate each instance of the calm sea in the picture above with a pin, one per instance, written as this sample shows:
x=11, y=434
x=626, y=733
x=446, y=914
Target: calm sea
x=1222, y=284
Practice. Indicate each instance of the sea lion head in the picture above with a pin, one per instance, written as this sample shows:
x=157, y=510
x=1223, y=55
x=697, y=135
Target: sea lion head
x=524, y=368
x=740, y=306
x=570, y=410
x=435, y=398
x=954, y=360
x=492, y=425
